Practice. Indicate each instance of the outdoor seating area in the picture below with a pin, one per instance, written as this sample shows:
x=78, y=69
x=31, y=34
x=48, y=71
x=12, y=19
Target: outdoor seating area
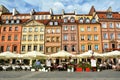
x=61, y=61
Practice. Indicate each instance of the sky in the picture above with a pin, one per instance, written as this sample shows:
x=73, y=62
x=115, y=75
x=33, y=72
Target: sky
x=80, y=6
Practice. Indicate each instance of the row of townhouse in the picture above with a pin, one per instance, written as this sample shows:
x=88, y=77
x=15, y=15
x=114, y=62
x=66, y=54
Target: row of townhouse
x=49, y=33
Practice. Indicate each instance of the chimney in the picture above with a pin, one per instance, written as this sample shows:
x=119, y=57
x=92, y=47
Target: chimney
x=14, y=12
x=51, y=11
x=63, y=12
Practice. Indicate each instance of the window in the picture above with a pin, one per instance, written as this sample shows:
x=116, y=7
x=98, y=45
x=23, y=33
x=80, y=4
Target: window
x=29, y=37
x=95, y=28
x=57, y=49
x=89, y=37
x=4, y=28
x=96, y=47
x=93, y=20
x=105, y=46
x=36, y=30
x=65, y=47
x=65, y=28
x=104, y=25
x=51, y=23
x=119, y=36
x=24, y=38
x=17, y=21
x=3, y=38
x=41, y=29
x=72, y=37
x=112, y=36
x=89, y=47
x=53, y=31
x=41, y=37
x=2, y=48
x=12, y=21
x=65, y=20
x=48, y=49
x=35, y=48
x=72, y=20
x=7, y=21
x=65, y=37
x=72, y=27
x=105, y=36
x=111, y=25
x=10, y=28
x=8, y=48
x=82, y=37
x=48, y=39
x=52, y=49
x=82, y=29
x=83, y=47
x=46, y=17
x=81, y=20
x=57, y=30
x=109, y=15
x=29, y=47
x=95, y=37
x=24, y=29
x=56, y=23
x=30, y=29
x=14, y=48
x=87, y=20
x=35, y=37
x=57, y=39
x=9, y=38
x=15, y=37
x=117, y=25
x=52, y=39
x=88, y=29
x=16, y=28
x=23, y=48
x=48, y=30
x=41, y=48
x=73, y=48
x=118, y=46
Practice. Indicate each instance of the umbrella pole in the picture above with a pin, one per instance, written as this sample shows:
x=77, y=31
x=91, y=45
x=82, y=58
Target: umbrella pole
x=30, y=62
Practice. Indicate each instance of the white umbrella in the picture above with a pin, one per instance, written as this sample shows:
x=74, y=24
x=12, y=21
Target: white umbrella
x=7, y=54
x=89, y=54
x=33, y=54
x=112, y=54
x=62, y=54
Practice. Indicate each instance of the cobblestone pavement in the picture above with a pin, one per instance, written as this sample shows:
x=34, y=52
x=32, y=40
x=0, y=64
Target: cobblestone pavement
x=27, y=75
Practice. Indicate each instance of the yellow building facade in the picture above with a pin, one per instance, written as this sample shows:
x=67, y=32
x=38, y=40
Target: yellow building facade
x=32, y=36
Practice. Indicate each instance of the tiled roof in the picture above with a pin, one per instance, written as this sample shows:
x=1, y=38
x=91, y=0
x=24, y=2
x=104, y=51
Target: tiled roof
x=42, y=13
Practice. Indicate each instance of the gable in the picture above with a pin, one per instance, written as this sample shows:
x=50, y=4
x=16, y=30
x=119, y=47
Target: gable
x=33, y=23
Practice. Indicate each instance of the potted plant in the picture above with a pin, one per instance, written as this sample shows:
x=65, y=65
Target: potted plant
x=70, y=68
x=79, y=67
x=87, y=67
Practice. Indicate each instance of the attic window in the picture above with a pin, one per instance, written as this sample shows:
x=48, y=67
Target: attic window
x=93, y=20
x=18, y=21
x=55, y=23
x=12, y=21
x=65, y=20
x=109, y=15
x=51, y=23
x=7, y=21
x=81, y=20
x=87, y=20
x=72, y=20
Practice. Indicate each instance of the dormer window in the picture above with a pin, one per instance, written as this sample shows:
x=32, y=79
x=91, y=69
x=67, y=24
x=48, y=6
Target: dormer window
x=65, y=20
x=87, y=20
x=55, y=23
x=7, y=21
x=109, y=15
x=81, y=20
x=93, y=20
x=51, y=23
x=72, y=20
x=12, y=21
x=17, y=21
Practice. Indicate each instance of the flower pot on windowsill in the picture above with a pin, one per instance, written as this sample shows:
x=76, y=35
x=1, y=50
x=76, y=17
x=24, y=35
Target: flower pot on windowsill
x=87, y=69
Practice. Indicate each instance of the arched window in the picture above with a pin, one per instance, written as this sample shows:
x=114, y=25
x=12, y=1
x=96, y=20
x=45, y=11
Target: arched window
x=93, y=20
x=65, y=20
x=81, y=20
x=87, y=20
x=73, y=48
x=72, y=19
